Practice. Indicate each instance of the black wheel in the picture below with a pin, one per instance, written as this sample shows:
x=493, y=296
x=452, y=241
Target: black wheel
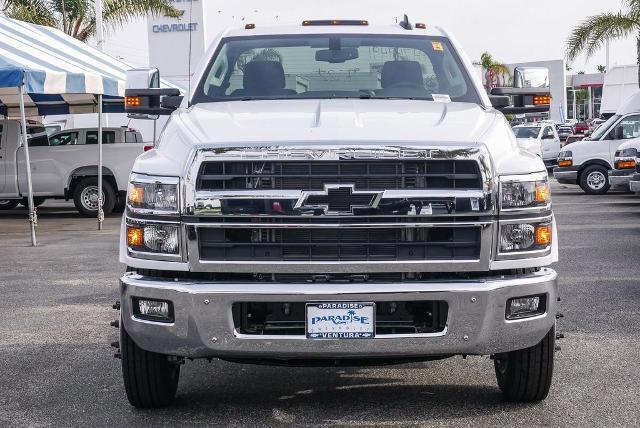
x=594, y=180
x=8, y=204
x=36, y=202
x=525, y=375
x=150, y=379
x=85, y=197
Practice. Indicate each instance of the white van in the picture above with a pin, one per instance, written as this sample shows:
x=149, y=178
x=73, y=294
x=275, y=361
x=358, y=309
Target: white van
x=625, y=164
x=587, y=163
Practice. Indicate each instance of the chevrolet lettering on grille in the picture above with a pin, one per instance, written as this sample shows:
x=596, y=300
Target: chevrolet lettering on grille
x=338, y=199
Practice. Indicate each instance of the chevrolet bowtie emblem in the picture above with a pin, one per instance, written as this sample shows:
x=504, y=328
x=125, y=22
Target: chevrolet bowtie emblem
x=338, y=199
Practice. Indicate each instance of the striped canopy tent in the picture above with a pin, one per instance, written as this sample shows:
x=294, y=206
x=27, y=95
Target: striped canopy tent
x=43, y=71
x=59, y=74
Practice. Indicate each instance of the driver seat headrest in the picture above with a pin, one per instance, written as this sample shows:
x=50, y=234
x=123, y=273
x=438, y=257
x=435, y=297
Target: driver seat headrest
x=401, y=72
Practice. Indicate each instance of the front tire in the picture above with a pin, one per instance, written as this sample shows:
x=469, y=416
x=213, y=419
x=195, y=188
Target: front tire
x=85, y=197
x=525, y=375
x=8, y=204
x=594, y=180
x=150, y=379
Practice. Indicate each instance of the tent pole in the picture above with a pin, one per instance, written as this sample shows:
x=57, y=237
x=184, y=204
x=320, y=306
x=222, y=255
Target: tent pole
x=100, y=201
x=33, y=217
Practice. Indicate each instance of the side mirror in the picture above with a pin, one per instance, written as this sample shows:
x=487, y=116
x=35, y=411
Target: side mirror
x=618, y=133
x=143, y=97
x=499, y=101
x=531, y=92
x=531, y=77
x=143, y=78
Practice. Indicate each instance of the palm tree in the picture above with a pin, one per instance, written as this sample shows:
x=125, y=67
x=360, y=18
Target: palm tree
x=76, y=17
x=602, y=69
x=594, y=31
x=494, y=70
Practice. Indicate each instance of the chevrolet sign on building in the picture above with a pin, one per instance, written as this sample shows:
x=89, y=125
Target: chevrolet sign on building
x=169, y=41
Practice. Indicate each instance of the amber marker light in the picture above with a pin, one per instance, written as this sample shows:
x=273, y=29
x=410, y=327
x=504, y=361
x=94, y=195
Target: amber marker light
x=565, y=163
x=135, y=236
x=539, y=100
x=543, y=234
x=625, y=164
x=543, y=192
x=132, y=101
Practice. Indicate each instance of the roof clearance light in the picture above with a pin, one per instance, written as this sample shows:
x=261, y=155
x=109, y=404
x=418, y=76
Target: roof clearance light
x=420, y=25
x=250, y=26
x=541, y=100
x=319, y=22
x=132, y=101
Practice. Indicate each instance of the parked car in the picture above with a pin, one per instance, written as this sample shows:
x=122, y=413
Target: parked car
x=541, y=139
x=564, y=132
x=581, y=128
x=64, y=165
x=339, y=221
x=588, y=162
x=627, y=159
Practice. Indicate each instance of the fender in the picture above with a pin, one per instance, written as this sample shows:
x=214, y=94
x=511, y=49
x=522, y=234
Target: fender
x=590, y=162
x=87, y=171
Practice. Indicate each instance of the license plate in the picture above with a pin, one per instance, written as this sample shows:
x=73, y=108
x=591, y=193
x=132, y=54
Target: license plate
x=341, y=320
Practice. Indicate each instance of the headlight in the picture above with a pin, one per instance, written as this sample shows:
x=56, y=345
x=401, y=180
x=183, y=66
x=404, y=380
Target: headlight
x=526, y=191
x=626, y=159
x=153, y=238
x=153, y=195
x=525, y=236
x=565, y=158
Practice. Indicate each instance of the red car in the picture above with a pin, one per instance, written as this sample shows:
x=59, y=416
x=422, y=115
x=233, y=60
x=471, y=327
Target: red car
x=581, y=127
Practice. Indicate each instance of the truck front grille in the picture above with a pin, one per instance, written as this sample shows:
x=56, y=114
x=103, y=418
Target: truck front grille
x=282, y=318
x=364, y=174
x=340, y=244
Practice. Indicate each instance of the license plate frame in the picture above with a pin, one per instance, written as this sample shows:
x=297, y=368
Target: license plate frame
x=345, y=317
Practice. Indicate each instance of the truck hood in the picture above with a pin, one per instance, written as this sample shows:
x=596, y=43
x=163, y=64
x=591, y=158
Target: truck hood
x=285, y=121
x=344, y=122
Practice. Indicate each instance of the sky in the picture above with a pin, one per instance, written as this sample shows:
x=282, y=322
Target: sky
x=511, y=30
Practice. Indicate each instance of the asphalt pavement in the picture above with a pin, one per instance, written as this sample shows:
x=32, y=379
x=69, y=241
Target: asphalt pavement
x=57, y=367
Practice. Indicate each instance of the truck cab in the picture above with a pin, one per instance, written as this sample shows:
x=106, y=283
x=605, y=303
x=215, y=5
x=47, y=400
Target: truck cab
x=587, y=162
x=335, y=193
x=541, y=139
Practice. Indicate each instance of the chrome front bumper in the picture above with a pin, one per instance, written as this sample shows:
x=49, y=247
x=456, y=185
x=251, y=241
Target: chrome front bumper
x=204, y=325
x=565, y=177
x=618, y=180
x=634, y=186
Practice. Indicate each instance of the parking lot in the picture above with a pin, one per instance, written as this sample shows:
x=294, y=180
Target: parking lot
x=57, y=365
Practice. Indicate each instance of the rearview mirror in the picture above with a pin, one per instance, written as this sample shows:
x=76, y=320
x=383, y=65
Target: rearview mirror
x=336, y=56
x=144, y=99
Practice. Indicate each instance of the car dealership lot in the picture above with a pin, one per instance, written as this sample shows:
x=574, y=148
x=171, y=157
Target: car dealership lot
x=57, y=365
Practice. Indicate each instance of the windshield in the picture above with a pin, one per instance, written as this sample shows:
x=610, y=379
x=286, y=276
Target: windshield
x=526, y=131
x=602, y=129
x=335, y=66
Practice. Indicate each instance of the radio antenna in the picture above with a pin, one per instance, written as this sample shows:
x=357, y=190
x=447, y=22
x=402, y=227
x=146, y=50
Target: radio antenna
x=189, y=66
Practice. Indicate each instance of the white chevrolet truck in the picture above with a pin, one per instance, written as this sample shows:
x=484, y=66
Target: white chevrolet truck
x=64, y=165
x=334, y=193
